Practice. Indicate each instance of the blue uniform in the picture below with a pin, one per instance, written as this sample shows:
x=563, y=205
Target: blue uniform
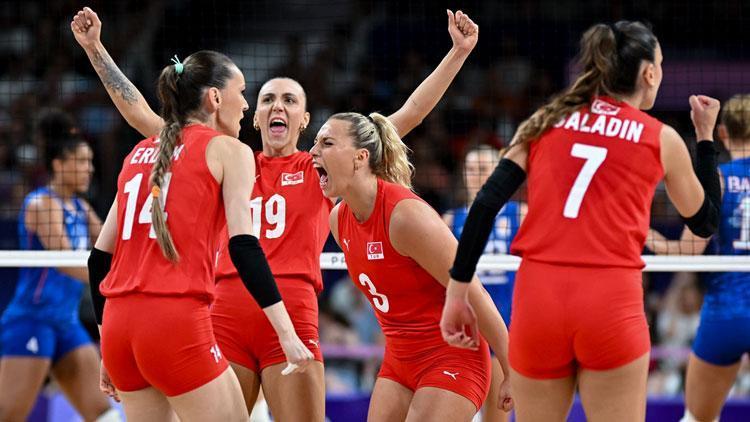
x=724, y=332
x=42, y=318
x=499, y=284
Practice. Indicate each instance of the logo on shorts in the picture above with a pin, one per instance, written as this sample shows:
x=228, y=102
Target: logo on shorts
x=216, y=352
x=374, y=250
x=346, y=242
x=605, y=108
x=451, y=374
x=292, y=178
x=32, y=345
x=315, y=343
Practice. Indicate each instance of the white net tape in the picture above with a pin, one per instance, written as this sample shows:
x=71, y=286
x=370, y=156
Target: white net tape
x=335, y=261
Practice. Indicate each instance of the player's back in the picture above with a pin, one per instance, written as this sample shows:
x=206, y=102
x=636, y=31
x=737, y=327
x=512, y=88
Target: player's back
x=728, y=294
x=407, y=300
x=194, y=212
x=46, y=293
x=591, y=180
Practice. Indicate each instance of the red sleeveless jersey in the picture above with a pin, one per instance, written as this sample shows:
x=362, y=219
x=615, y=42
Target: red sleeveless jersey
x=591, y=180
x=290, y=217
x=408, y=301
x=194, y=209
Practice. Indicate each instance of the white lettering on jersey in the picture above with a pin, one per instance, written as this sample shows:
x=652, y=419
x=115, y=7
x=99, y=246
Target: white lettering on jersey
x=148, y=155
x=737, y=184
x=604, y=125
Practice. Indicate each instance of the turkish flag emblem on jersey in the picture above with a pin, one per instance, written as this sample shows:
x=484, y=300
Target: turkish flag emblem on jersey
x=605, y=108
x=292, y=178
x=374, y=250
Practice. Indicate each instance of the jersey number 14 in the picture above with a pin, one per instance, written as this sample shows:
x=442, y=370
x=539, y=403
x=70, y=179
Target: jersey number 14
x=132, y=187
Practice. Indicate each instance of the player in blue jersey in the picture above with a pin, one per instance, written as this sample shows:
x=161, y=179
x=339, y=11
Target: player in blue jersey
x=40, y=332
x=478, y=166
x=724, y=332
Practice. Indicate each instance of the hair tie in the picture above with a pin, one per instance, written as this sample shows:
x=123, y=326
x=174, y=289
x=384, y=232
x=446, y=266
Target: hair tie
x=178, y=66
x=155, y=191
x=370, y=119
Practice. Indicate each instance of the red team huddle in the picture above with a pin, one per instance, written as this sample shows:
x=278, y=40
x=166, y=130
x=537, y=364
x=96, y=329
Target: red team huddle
x=194, y=208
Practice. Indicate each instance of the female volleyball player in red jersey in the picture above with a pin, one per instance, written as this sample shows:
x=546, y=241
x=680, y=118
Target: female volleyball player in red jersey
x=292, y=234
x=158, y=344
x=398, y=251
x=593, y=160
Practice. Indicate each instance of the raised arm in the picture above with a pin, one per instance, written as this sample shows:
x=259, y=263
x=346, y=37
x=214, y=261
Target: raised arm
x=464, y=33
x=417, y=231
x=86, y=28
x=695, y=193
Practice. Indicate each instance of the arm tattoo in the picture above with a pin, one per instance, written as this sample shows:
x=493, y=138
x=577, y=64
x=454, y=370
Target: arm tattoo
x=113, y=79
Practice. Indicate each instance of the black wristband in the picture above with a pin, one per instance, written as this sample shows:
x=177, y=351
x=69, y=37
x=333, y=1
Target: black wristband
x=252, y=266
x=99, y=264
x=705, y=222
x=501, y=185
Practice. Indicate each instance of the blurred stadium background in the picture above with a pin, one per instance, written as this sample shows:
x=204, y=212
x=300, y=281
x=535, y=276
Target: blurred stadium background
x=366, y=56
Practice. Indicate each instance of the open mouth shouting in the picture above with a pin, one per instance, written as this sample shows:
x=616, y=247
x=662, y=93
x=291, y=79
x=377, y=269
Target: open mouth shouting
x=277, y=126
x=323, y=176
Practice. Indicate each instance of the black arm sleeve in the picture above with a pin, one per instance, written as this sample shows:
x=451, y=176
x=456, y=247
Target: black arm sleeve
x=99, y=264
x=498, y=189
x=253, y=268
x=706, y=221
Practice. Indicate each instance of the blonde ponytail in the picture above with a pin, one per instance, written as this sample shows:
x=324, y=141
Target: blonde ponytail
x=393, y=165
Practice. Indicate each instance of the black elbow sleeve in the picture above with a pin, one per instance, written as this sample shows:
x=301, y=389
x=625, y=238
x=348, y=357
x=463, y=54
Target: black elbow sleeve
x=99, y=264
x=705, y=222
x=252, y=266
x=501, y=185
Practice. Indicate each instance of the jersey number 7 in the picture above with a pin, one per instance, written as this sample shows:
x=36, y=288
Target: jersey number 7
x=594, y=157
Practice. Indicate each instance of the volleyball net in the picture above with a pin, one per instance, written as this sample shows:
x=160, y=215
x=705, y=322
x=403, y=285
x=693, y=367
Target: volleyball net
x=367, y=56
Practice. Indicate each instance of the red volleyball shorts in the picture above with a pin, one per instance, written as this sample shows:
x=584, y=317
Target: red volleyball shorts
x=243, y=331
x=162, y=341
x=430, y=362
x=567, y=317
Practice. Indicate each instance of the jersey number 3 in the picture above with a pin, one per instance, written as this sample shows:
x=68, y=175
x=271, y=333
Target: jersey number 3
x=379, y=300
x=594, y=157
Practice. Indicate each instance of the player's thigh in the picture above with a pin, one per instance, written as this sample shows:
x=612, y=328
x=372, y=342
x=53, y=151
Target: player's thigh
x=218, y=400
x=617, y=394
x=389, y=401
x=430, y=404
x=147, y=405
x=542, y=400
x=249, y=383
x=77, y=373
x=21, y=378
x=295, y=397
x=707, y=386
